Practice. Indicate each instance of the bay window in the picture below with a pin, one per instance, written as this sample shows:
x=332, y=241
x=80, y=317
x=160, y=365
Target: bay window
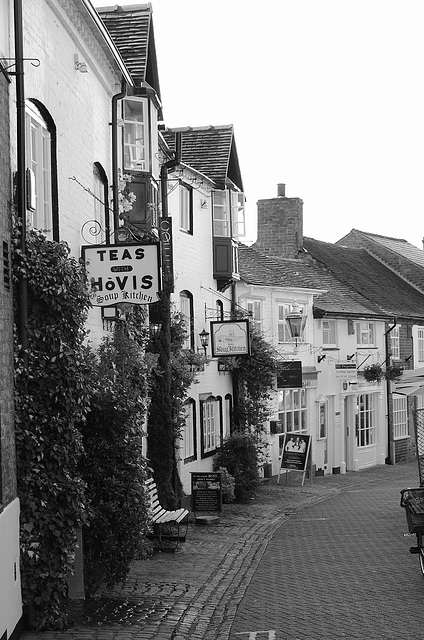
x=135, y=135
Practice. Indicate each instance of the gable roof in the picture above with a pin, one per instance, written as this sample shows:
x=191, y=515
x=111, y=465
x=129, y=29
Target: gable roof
x=131, y=29
x=398, y=255
x=331, y=297
x=370, y=278
x=210, y=150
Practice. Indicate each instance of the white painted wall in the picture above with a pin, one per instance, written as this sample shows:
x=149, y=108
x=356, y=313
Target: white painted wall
x=10, y=580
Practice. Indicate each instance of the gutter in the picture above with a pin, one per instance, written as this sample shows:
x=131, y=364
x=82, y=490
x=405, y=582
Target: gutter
x=390, y=445
x=21, y=178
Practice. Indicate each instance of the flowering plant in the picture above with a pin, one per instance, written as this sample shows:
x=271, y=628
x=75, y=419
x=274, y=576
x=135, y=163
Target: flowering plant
x=126, y=198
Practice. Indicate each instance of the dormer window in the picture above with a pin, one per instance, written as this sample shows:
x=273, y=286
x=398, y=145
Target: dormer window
x=135, y=122
x=221, y=214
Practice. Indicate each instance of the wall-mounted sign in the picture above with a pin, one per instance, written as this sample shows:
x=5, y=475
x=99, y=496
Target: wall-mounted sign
x=345, y=370
x=289, y=375
x=122, y=273
x=230, y=338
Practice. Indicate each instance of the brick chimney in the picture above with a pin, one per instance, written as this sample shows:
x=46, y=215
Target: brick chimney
x=280, y=225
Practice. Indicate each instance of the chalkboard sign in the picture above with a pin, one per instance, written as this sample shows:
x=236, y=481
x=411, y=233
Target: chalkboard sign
x=206, y=492
x=295, y=449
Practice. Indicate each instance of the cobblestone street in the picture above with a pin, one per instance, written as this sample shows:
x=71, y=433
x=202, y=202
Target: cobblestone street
x=278, y=560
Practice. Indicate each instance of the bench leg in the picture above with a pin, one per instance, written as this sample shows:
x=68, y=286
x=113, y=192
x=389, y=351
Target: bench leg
x=168, y=536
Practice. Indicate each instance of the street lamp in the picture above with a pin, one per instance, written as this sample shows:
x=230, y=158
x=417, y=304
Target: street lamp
x=204, y=339
x=296, y=322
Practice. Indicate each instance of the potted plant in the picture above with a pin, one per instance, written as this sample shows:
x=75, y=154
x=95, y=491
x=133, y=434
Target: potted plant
x=373, y=373
x=393, y=372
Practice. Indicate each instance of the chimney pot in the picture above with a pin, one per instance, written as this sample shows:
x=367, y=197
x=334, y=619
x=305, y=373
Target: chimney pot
x=281, y=190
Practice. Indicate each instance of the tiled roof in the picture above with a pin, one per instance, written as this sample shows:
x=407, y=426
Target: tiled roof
x=209, y=150
x=370, y=278
x=258, y=269
x=131, y=29
x=398, y=255
x=403, y=247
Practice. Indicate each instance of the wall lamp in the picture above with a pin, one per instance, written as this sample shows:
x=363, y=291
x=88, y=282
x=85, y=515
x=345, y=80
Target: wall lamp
x=80, y=66
x=204, y=339
x=321, y=358
x=350, y=357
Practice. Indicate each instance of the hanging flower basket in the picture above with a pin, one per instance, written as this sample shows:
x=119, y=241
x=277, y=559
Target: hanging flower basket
x=373, y=373
x=393, y=372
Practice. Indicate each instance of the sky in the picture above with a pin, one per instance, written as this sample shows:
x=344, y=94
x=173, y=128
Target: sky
x=325, y=96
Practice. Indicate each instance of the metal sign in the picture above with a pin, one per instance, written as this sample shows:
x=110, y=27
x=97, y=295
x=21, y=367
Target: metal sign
x=230, y=338
x=206, y=491
x=295, y=449
x=122, y=273
x=345, y=370
x=289, y=375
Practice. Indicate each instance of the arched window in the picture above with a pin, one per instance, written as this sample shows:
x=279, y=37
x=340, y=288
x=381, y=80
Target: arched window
x=101, y=204
x=186, y=308
x=219, y=310
x=40, y=141
x=211, y=420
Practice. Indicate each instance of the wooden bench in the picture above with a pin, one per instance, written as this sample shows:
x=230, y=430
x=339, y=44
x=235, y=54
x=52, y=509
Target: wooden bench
x=168, y=527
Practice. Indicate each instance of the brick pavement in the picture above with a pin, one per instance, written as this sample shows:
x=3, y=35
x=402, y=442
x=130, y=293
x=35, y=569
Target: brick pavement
x=195, y=592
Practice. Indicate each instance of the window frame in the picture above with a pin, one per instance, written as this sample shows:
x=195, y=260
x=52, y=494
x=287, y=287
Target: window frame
x=252, y=306
x=400, y=417
x=186, y=209
x=330, y=332
x=395, y=342
x=190, y=427
x=420, y=344
x=40, y=142
x=292, y=403
x=211, y=425
x=362, y=332
x=221, y=224
x=130, y=159
x=187, y=310
x=366, y=420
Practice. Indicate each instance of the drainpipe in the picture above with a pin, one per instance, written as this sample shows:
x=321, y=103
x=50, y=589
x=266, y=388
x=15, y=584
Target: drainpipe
x=115, y=177
x=21, y=177
x=390, y=445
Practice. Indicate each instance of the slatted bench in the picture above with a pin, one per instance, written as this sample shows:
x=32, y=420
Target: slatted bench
x=168, y=527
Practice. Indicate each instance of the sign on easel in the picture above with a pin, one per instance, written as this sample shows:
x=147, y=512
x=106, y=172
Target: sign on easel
x=295, y=454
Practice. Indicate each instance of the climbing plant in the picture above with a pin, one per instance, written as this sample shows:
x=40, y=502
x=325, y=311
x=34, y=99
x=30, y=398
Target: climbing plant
x=112, y=465
x=52, y=398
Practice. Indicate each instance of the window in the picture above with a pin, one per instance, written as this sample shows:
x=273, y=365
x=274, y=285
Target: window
x=210, y=425
x=365, y=420
x=322, y=420
x=221, y=214
x=4, y=31
x=190, y=430
x=101, y=208
x=328, y=332
x=186, y=308
x=365, y=333
x=292, y=412
x=219, y=310
x=283, y=329
x=395, y=342
x=38, y=140
x=400, y=416
x=421, y=344
x=135, y=120
x=254, y=308
x=228, y=407
x=237, y=214
x=186, y=209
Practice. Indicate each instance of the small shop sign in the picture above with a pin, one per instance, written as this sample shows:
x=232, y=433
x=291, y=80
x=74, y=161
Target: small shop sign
x=206, y=492
x=295, y=453
x=345, y=370
x=289, y=375
x=122, y=273
x=230, y=338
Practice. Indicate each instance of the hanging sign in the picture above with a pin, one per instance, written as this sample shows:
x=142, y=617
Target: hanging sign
x=122, y=273
x=289, y=375
x=345, y=370
x=230, y=338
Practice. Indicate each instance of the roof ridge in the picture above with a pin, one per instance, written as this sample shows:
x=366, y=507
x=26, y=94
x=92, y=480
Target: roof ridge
x=209, y=127
x=378, y=235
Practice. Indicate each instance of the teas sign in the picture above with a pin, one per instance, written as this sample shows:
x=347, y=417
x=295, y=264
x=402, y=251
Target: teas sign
x=122, y=273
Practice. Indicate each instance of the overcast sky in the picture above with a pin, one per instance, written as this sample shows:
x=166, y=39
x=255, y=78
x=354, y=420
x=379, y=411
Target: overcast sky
x=325, y=96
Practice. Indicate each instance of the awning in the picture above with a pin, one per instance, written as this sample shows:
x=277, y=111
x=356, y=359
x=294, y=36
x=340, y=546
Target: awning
x=411, y=383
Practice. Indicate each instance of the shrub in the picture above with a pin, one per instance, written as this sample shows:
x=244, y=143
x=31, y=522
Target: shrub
x=239, y=455
x=228, y=484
